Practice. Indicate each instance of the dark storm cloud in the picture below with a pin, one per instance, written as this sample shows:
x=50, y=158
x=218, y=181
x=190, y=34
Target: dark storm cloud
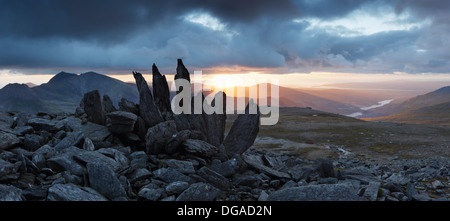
x=134, y=34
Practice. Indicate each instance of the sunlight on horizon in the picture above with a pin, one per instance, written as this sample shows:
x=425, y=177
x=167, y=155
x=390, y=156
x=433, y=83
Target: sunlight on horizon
x=221, y=80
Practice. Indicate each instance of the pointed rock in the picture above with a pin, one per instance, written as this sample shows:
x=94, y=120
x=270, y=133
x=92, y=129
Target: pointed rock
x=158, y=136
x=147, y=107
x=182, y=72
x=108, y=105
x=93, y=107
x=215, y=123
x=161, y=93
x=243, y=132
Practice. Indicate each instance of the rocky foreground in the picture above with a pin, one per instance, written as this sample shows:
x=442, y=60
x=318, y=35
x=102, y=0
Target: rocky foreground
x=145, y=152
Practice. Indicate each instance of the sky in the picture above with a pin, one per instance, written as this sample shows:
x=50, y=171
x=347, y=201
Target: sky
x=293, y=40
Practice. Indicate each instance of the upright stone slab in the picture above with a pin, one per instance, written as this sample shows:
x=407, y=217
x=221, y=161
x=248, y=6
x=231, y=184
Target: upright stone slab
x=147, y=107
x=108, y=105
x=243, y=132
x=161, y=93
x=93, y=107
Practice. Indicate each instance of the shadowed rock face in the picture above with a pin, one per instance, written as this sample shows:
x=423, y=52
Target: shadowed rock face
x=243, y=132
x=161, y=93
x=182, y=72
x=93, y=107
x=147, y=107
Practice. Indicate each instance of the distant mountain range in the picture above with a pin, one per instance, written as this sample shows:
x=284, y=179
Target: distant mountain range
x=63, y=92
x=430, y=108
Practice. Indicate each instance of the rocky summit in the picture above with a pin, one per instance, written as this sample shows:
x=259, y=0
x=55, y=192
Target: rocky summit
x=145, y=152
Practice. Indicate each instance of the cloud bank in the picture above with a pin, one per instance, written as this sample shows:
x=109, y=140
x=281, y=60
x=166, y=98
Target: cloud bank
x=287, y=36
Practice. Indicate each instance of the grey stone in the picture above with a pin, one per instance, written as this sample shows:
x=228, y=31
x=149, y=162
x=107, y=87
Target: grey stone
x=88, y=145
x=398, y=179
x=324, y=168
x=72, y=139
x=66, y=162
x=215, y=122
x=176, y=187
x=410, y=190
x=32, y=142
x=161, y=93
x=35, y=193
x=105, y=181
x=200, y=148
x=158, y=136
x=181, y=166
x=421, y=197
x=263, y=196
x=45, y=124
x=147, y=107
x=22, y=130
x=151, y=194
x=138, y=159
x=8, y=140
x=371, y=192
x=328, y=180
x=121, y=122
x=128, y=106
x=437, y=184
x=174, y=143
x=243, y=132
x=10, y=193
x=214, y=178
x=95, y=156
x=229, y=167
x=255, y=162
x=72, y=192
x=300, y=172
x=140, y=174
x=199, y=192
x=170, y=175
x=322, y=192
x=93, y=107
x=108, y=105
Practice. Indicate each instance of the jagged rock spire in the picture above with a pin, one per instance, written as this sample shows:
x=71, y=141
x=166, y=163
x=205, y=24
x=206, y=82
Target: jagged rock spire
x=182, y=72
x=161, y=93
x=147, y=107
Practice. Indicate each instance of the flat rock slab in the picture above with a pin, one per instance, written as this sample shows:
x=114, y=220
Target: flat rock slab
x=255, y=162
x=72, y=192
x=322, y=192
x=199, y=192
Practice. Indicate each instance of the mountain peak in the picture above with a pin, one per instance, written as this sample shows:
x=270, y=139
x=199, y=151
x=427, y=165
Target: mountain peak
x=61, y=76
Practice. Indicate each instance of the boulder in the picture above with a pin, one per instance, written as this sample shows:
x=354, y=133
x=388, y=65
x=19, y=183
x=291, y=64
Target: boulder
x=45, y=124
x=128, y=106
x=177, y=187
x=256, y=162
x=243, y=132
x=199, y=192
x=200, y=148
x=72, y=192
x=158, y=136
x=6, y=168
x=108, y=105
x=93, y=107
x=185, y=167
x=147, y=107
x=321, y=192
x=121, y=122
x=214, y=178
x=10, y=193
x=8, y=140
x=170, y=175
x=324, y=168
x=104, y=180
